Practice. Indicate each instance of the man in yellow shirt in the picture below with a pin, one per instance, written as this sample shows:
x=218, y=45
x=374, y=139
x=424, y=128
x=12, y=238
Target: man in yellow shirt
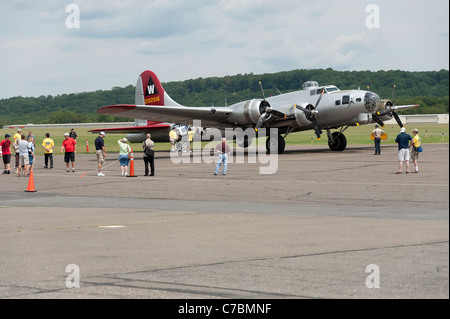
x=415, y=144
x=48, y=145
x=173, y=136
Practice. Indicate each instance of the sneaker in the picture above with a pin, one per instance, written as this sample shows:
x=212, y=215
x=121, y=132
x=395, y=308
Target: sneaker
x=73, y=171
x=100, y=174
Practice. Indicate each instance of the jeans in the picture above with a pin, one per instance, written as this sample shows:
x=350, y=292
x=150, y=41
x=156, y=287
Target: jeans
x=377, y=146
x=223, y=158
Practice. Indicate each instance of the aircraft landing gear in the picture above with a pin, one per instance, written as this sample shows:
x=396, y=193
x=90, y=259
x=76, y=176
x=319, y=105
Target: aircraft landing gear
x=275, y=145
x=336, y=141
x=244, y=141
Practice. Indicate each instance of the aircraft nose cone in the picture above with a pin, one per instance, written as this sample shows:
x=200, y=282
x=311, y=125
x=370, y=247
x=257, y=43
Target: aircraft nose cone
x=371, y=101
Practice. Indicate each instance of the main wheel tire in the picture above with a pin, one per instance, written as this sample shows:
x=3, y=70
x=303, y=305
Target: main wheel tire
x=339, y=142
x=275, y=145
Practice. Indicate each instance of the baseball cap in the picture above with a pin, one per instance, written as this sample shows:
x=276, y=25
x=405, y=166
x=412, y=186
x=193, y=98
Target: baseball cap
x=102, y=133
x=66, y=134
x=415, y=130
x=125, y=139
x=403, y=130
x=7, y=135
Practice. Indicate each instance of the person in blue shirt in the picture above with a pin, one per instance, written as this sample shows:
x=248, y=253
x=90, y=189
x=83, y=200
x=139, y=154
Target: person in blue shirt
x=403, y=141
x=101, y=152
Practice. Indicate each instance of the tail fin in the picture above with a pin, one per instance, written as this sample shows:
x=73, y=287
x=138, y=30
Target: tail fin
x=149, y=91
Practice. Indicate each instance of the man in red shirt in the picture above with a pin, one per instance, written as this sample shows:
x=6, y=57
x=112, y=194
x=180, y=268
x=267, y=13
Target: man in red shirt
x=5, y=153
x=70, y=147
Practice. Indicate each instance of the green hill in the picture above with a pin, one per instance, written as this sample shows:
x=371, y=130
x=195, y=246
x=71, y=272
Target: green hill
x=429, y=89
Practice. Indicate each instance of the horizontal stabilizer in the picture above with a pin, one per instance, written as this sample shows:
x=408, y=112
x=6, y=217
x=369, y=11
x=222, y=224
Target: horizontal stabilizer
x=172, y=114
x=131, y=129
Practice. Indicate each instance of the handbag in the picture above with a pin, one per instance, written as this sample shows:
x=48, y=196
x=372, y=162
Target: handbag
x=149, y=152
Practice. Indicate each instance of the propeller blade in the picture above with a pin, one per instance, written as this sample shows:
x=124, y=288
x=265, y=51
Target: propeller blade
x=397, y=118
x=384, y=112
x=317, y=129
x=318, y=100
x=260, y=121
x=380, y=122
x=307, y=111
x=262, y=90
x=301, y=108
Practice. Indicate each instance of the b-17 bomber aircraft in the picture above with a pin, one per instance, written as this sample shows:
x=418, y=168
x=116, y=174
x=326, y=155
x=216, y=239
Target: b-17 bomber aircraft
x=315, y=107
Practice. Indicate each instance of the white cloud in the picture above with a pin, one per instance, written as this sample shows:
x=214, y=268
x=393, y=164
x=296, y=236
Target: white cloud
x=182, y=39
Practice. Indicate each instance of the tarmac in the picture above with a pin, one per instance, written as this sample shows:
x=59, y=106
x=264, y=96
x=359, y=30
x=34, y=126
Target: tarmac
x=324, y=225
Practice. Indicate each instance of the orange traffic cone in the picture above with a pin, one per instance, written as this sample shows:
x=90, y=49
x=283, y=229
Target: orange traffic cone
x=87, y=146
x=132, y=165
x=30, y=187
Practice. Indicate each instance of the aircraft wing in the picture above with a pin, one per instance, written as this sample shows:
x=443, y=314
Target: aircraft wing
x=403, y=107
x=173, y=114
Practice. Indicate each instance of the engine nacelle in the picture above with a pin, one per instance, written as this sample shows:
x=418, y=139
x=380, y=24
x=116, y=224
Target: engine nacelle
x=136, y=137
x=301, y=117
x=248, y=112
x=383, y=104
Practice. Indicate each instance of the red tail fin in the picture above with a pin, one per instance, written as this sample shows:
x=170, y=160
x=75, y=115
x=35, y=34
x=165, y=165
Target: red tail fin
x=151, y=88
x=149, y=91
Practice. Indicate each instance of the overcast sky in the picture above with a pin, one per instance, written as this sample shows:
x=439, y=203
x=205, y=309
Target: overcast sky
x=43, y=53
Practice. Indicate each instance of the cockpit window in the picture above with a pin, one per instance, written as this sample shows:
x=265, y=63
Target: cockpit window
x=331, y=89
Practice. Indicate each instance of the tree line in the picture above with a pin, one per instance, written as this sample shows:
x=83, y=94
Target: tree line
x=430, y=89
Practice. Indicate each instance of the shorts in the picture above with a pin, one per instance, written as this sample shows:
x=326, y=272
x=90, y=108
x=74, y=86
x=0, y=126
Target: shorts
x=124, y=160
x=403, y=154
x=6, y=158
x=69, y=156
x=100, y=158
x=414, y=154
x=23, y=160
